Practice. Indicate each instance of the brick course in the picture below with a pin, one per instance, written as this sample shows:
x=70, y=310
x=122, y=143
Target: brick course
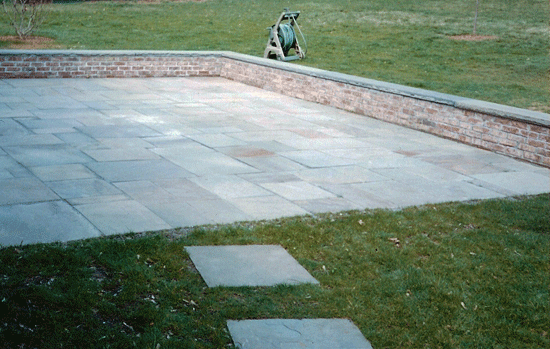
x=515, y=136
x=67, y=65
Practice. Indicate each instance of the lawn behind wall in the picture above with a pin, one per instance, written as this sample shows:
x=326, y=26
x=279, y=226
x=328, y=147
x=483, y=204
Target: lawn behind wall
x=425, y=43
x=456, y=275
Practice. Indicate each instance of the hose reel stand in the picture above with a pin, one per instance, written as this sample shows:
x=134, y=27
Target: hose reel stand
x=283, y=38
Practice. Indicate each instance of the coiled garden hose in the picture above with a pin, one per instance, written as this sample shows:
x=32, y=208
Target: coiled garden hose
x=287, y=37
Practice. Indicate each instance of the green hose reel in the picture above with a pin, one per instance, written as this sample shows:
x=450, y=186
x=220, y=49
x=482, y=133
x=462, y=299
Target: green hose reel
x=283, y=38
x=287, y=37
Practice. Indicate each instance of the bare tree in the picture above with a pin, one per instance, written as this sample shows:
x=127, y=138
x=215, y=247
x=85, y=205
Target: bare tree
x=24, y=15
x=475, y=17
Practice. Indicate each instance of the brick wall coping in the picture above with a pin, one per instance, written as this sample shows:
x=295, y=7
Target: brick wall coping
x=474, y=105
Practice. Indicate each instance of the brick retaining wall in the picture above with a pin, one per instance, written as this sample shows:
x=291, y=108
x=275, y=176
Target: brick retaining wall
x=515, y=132
x=105, y=64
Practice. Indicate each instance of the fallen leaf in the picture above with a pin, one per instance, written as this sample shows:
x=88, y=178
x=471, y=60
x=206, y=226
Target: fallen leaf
x=149, y=262
x=130, y=327
x=395, y=241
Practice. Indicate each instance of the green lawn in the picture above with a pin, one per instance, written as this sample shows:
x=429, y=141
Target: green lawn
x=401, y=41
x=461, y=276
x=438, y=276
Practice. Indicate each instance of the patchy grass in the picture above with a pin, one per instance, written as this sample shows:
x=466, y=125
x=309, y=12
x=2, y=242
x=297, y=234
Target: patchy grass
x=438, y=276
x=405, y=42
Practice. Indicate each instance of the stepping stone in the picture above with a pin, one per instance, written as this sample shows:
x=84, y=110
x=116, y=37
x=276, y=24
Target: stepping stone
x=251, y=265
x=294, y=334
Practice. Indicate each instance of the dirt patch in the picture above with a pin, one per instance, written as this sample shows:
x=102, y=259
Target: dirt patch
x=471, y=37
x=29, y=43
x=543, y=108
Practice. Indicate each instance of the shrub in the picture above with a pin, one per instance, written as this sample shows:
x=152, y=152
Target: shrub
x=24, y=15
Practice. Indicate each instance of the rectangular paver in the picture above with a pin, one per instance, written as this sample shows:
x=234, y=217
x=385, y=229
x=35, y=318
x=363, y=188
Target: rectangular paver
x=297, y=334
x=46, y=155
x=517, y=182
x=43, y=222
x=298, y=190
x=62, y=172
x=230, y=186
x=121, y=154
x=24, y=190
x=79, y=188
x=250, y=265
x=120, y=217
x=315, y=158
x=205, y=162
x=267, y=207
x=119, y=171
x=177, y=212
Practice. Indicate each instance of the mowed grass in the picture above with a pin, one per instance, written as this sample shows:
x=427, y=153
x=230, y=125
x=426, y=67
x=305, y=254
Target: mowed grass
x=400, y=41
x=438, y=276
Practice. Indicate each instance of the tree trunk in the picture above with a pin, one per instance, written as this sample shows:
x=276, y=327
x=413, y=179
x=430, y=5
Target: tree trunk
x=475, y=18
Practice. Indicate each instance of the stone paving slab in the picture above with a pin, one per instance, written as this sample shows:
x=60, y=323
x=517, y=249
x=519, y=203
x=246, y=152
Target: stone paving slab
x=518, y=182
x=178, y=213
x=298, y=190
x=230, y=186
x=24, y=190
x=42, y=223
x=297, y=334
x=250, y=265
x=268, y=207
x=120, y=171
x=79, y=188
x=62, y=172
x=120, y=217
x=46, y=155
x=189, y=151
